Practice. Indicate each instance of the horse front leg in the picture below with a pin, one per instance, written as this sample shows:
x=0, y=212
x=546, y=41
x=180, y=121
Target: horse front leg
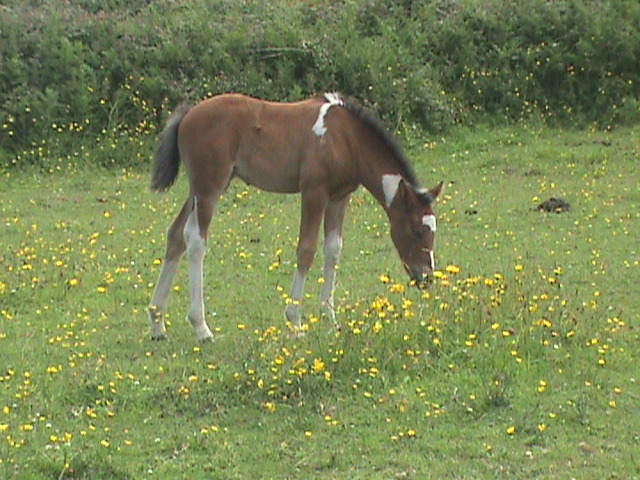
x=333, y=222
x=313, y=208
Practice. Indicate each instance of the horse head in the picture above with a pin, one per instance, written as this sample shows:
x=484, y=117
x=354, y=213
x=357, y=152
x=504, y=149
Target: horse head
x=413, y=224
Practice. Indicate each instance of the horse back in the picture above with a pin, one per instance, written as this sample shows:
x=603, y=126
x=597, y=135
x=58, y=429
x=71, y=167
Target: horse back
x=267, y=144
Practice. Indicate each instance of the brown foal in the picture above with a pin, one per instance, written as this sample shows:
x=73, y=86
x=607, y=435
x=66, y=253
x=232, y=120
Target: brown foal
x=323, y=148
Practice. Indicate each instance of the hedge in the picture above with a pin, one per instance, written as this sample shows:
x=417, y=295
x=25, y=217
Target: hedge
x=81, y=70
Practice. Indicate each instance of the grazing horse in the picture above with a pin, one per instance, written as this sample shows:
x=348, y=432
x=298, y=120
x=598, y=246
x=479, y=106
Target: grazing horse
x=322, y=148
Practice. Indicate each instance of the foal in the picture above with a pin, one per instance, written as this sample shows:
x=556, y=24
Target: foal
x=323, y=148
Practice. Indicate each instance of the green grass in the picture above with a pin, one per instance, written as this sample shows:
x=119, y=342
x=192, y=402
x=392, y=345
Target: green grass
x=519, y=362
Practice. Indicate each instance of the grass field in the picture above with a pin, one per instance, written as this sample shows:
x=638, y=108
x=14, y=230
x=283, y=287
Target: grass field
x=521, y=361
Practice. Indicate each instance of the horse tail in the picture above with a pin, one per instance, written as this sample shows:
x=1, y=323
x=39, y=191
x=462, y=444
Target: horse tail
x=165, y=170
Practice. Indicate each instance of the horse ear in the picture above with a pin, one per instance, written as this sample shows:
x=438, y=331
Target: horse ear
x=396, y=189
x=405, y=193
x=437, y=190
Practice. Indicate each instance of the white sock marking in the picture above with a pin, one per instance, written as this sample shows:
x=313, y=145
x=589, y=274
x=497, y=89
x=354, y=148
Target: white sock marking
x=297, y=291
x=293, y=311
x=196, y=248
x=165, y=283
x=332, y=250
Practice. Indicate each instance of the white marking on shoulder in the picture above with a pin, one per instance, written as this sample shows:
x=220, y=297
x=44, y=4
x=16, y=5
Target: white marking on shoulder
x=333, y=100
x=390, y=184
x=429, y=221
x=319, y=127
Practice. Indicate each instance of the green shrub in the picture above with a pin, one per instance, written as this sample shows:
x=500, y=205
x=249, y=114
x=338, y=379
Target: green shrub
x=109, y=67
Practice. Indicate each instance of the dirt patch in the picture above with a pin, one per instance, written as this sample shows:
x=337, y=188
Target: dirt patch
x=556, y=205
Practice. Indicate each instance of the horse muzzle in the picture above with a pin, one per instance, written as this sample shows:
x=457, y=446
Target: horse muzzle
x=421, y=278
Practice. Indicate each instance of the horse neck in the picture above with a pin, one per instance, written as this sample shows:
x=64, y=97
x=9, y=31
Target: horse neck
x=374, y=164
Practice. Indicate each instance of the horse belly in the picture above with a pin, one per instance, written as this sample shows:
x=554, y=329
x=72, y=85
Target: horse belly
x=273, y=175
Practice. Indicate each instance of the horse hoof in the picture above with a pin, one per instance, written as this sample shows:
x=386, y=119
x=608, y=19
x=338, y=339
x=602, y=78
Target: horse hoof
x=293, y=314
x=159, y=337
x=203, y=334
x=207, y=339
x=300, y=332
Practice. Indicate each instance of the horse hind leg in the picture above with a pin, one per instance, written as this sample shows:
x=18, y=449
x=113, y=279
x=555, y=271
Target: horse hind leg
x=174, y=251
x=195, y=237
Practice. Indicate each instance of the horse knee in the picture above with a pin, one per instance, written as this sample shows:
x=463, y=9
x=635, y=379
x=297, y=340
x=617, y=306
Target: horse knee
x=305, y=255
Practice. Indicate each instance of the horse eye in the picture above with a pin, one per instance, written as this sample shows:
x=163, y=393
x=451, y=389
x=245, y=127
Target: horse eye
x=419, y=232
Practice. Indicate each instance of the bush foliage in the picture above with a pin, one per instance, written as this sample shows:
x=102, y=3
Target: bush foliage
x=96, y=68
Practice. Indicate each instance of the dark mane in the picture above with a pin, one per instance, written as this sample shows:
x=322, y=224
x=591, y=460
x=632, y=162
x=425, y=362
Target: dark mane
x=379, y=129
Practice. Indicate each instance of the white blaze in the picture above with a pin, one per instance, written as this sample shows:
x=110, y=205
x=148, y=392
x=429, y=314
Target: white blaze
x=429, y=221
x=333, y=99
